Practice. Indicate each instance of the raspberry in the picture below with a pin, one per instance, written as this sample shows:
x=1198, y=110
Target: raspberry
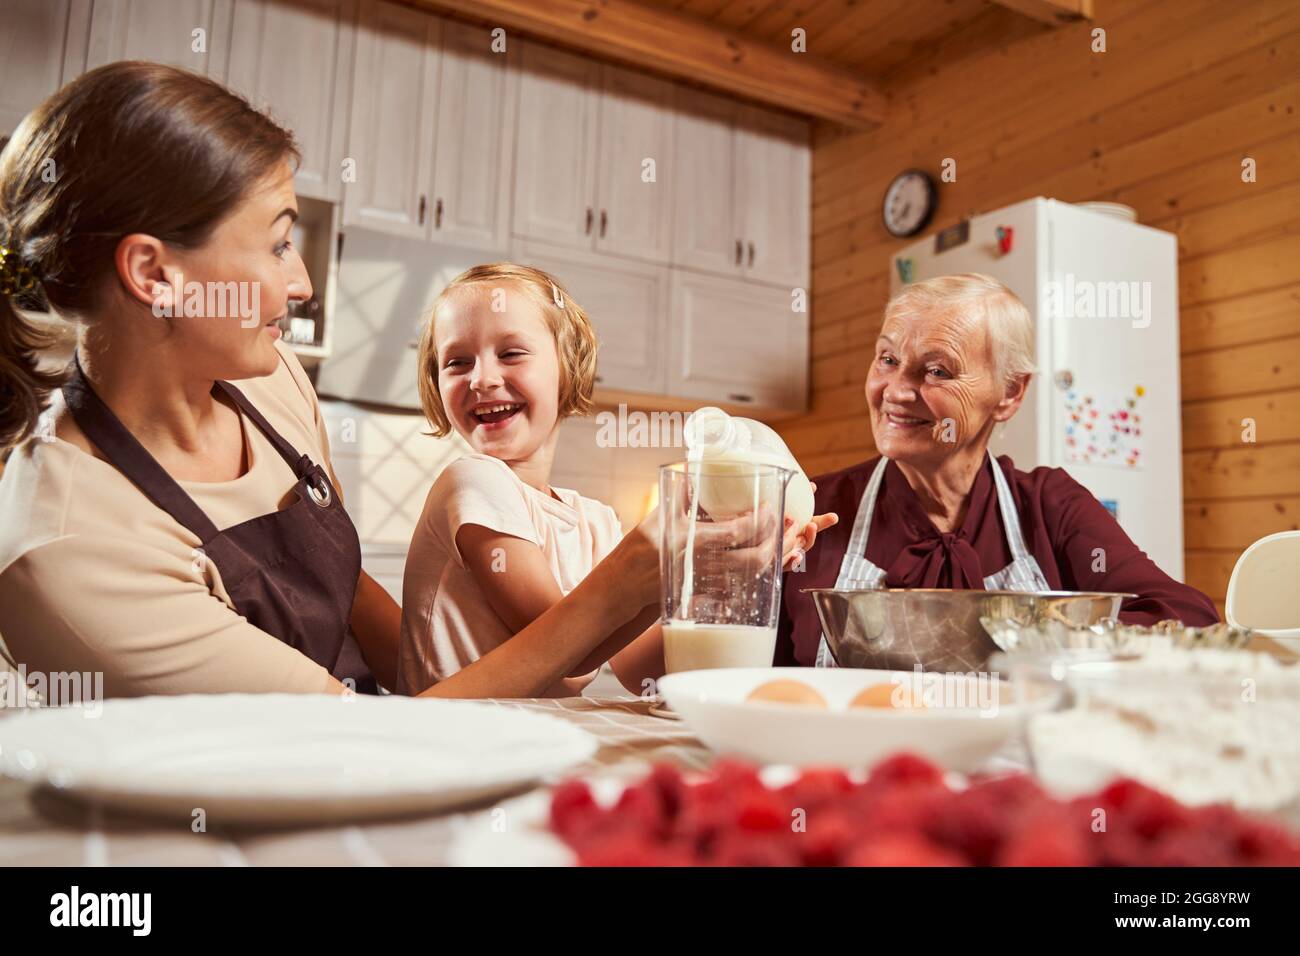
x=743, y=849
x=573, y=809
x=642, y=807
x=902, y=849
x=1011, y=792
x=817, y=787
x=973, y=824
x=903, y=810
x=1145, y=811
x=830, y=835
x=1048, y=839
x=1191, y=848
x=903, y=816
x=667, y=781
x=1257, y=843
x=628, y=849
x=905, y=768
x=1119, y=848
x=700, y=821
x=736, y=777
x=763, y=812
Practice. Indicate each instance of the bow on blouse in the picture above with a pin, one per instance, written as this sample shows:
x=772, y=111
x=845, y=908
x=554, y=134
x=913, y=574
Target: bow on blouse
x=937, y=561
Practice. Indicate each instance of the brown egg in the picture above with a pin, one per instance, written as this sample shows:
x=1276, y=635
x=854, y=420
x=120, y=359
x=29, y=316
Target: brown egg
x=787, y=692
x=882, y=696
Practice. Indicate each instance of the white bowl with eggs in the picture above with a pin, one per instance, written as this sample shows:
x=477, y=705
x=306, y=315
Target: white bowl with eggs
x=847, y=717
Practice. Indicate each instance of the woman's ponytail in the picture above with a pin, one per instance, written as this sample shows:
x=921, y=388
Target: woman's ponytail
x=24, y=386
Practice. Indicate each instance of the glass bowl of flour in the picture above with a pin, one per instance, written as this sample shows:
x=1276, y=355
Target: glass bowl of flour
x=1203, y=724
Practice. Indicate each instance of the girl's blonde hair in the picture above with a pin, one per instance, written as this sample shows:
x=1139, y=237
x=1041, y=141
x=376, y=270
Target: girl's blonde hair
x=1011, y=327
x=575, y=341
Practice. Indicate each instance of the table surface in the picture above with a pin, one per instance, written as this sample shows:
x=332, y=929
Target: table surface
x=40, y=829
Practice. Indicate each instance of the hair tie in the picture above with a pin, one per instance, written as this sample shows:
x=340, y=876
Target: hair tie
x=16, y=276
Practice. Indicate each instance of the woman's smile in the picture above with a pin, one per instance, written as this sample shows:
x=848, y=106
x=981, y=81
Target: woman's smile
x=896, y=420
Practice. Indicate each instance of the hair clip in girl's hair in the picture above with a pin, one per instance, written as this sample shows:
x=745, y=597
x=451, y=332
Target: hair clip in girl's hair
x=15, y=275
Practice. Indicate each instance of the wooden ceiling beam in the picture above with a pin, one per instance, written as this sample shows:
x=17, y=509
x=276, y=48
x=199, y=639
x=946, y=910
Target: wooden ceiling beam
x=1050, y=11
x=685, y=48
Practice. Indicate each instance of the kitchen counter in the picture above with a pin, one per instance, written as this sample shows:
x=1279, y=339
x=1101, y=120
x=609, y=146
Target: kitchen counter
x=42, y=829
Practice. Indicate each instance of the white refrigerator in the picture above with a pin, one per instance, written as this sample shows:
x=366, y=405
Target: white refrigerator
x=1104, y=404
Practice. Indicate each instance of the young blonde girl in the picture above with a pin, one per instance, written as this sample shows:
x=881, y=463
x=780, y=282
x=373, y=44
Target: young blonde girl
x=506, y=355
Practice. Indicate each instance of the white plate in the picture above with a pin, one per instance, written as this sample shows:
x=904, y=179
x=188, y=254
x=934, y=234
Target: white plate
x=286, y=758
x=959, y=738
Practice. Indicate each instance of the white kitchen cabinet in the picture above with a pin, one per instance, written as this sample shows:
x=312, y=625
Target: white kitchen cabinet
x=555, y=158
x=191, y=34
x=742, y=191
x=627, y=303
x=42, y=46
x=431, y=130
x=706, y=235
x=634, y=157
x=475, y=137
x=736, y=342
x=293, y=58
x=586, y=132
x=393, y=119
x=773, y=176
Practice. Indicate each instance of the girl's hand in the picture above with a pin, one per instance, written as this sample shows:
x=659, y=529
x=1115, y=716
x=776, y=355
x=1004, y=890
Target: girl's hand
x=639, y=563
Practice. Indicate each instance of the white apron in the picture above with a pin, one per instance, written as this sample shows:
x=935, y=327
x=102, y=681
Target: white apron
x=857, y=573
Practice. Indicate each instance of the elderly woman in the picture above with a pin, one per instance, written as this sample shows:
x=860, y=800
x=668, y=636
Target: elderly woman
x=935, y=510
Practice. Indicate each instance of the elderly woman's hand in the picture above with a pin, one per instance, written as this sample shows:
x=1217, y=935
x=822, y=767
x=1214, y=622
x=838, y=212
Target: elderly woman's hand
x=799, y=541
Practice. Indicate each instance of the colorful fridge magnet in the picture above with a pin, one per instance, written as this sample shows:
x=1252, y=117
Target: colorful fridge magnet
x=1006, y=238
x=1103, y=429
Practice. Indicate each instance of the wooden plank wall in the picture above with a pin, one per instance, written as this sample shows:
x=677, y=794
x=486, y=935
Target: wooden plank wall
x=1161, y=121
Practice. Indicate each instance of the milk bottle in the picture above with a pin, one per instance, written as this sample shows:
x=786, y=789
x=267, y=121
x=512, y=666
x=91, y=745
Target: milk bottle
x=715, y=437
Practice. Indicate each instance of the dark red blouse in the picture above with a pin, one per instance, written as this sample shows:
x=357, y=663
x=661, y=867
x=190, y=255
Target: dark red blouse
x=1062, y=523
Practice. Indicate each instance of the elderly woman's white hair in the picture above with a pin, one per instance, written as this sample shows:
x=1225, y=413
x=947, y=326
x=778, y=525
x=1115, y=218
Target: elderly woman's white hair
x=1011, y=327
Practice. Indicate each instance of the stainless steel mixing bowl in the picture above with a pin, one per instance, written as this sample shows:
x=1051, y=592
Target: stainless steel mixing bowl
x=940, y=629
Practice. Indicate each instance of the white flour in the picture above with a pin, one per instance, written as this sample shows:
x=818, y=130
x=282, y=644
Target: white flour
x=1203, y=725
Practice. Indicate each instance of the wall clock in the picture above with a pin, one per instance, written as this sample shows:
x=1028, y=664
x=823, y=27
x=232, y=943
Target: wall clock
x=909, y=203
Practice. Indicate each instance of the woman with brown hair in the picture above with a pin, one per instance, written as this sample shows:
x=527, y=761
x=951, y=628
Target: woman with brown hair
x=168, y=515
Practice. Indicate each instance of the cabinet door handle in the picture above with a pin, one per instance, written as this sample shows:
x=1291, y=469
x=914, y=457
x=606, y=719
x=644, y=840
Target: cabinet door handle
x=423, y=203
x=740, y=251
x=589, y=218
x=604, y=221
x=751, y=253
x=738, y=397
x=437, y=220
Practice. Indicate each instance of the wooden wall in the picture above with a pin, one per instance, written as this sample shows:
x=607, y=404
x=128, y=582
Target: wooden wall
x=1161, y=121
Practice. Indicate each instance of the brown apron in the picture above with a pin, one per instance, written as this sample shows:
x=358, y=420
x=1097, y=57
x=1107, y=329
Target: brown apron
x=293, y=573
